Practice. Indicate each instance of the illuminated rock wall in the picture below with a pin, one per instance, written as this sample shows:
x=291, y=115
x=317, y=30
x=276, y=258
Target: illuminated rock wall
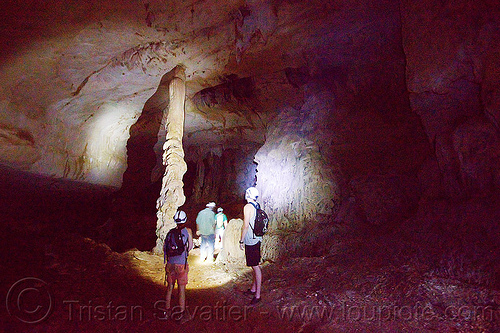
x=337, y=161
x=172, y=193
x=295, y=176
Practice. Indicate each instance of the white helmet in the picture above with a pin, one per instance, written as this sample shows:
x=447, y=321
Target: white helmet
x=219, y=210
x=180, y=217
x=251, y=193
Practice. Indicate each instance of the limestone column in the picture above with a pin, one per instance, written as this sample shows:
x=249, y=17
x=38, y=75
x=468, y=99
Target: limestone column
x=172, y=193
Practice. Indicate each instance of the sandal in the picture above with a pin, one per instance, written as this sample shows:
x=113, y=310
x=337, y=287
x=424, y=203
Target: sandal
x=249, y=292
x=254, y=300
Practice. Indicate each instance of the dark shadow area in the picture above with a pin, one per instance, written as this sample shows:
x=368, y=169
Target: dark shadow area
x=189, y=179
x=441, y=260
x=33, y=202
x=93, y=289
x=133, y=218
x=57, y=278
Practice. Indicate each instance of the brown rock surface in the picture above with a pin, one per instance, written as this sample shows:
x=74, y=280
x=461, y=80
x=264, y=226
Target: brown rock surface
x=371, y=129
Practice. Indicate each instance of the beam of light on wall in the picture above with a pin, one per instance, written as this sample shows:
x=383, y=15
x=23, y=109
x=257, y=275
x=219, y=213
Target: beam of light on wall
x=295, y=182
x=106, y=151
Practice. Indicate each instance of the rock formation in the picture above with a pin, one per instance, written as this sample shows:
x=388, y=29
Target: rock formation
x=172, y=194
x=327, y=106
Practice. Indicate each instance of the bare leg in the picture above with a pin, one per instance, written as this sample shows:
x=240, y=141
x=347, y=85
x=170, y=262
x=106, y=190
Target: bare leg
x=182, y=297
x=254, y=286
x=170, y=288
x=257, y=280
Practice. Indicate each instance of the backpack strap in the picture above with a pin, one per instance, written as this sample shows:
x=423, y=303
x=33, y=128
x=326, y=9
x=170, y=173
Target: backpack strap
x=165, y=247
x=185, y=247
x=257, y=206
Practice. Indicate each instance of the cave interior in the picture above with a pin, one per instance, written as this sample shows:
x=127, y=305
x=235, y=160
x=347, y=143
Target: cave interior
x=370, y=129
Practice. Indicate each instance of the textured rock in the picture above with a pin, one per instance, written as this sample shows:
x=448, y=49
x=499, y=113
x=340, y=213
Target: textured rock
x=477, y=146
x=385, y=199
x=104, y=67
x=452, y=76
x=17, y=147
x=222, y=178
x=172, y=193
x=336, y=100
x=294, y=176
x=231, y=251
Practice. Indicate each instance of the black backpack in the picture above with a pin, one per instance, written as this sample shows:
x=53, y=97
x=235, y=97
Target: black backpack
x=261, y=221
x=174, y=244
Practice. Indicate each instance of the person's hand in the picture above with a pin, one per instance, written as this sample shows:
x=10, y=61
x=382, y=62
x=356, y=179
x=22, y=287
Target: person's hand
x=242, y=246
x=197, y=232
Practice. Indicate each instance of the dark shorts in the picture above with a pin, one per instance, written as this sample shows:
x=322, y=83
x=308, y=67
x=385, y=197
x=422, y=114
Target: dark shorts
x=252, y=254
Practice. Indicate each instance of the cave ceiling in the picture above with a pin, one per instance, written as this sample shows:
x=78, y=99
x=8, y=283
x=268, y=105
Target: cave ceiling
x=77, y=74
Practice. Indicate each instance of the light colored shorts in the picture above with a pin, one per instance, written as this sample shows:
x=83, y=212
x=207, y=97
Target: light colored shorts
x=179, y=273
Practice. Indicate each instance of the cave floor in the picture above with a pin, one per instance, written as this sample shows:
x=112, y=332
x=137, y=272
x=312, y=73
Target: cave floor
x=94, y=289
x=57, y=278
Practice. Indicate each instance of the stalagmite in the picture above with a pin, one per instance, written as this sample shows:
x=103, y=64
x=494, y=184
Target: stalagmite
x=172, y=193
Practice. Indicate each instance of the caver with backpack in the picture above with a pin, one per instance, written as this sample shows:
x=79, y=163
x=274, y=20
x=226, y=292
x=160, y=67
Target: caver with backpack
x=254, y=227
x=177, y=244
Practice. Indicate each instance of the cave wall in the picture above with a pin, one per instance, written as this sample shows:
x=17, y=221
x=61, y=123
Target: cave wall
x=452, y=52
x=221, y=175
x=419, y=125
x=134, y=203
x=417, y=121
x=76, y=95
x=295, y=175
x=346, y=105
x=351, y=147
x=76, y=76
x=312, y=170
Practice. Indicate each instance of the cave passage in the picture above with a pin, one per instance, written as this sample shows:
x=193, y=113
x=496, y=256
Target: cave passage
x=370, y=128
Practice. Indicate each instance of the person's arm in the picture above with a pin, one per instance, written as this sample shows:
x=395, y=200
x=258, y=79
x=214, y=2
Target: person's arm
x=247, y=213
x=198, y=224
x=190, y=239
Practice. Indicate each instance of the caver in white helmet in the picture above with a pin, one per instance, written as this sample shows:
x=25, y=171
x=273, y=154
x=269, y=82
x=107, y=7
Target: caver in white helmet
x=180, y=217
x=251, y=193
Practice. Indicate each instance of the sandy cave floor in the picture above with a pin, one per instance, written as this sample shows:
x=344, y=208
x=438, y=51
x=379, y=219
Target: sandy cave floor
x=93, y=289
x=55, y=278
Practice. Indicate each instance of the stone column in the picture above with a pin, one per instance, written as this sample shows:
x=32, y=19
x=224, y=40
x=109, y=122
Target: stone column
x=172, y=193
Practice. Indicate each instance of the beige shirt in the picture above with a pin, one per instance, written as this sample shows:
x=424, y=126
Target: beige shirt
x=250, y=238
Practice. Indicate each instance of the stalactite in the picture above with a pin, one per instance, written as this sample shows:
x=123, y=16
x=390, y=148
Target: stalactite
x=172, y=193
